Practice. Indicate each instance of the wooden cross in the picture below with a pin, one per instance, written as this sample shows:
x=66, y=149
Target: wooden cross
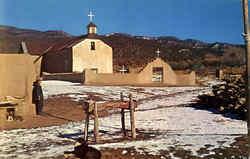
x=158, y=52
x=91, y=15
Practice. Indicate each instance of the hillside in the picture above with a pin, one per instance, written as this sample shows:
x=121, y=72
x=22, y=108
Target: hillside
x=11, y=37
x=180, y=54
x=135, y=51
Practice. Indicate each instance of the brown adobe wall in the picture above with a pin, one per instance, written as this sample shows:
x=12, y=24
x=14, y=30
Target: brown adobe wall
x=145, y=76
x=109, y=78
x=186, y=79
x=72, y=77
x=37, y=63
x=18, y=72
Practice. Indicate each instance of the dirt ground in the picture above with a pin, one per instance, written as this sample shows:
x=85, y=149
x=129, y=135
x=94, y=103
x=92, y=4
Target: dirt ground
x=62, y=109
x=57, y=110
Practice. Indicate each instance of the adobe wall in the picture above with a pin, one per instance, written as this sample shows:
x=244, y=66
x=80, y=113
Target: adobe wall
x=109, y=78
x=72, y=77
x=84, y=58
x=144, y=77
x=37, y=64
x=18, y=72
x=186, y=79
x=169, y=76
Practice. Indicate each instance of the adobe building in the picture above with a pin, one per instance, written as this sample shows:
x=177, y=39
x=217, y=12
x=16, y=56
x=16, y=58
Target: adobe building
x=87, y=59
x=157, y=72
x=75, y=55
x=18, y=72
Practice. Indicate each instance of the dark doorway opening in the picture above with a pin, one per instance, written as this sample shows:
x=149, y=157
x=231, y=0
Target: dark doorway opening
x=157, y=75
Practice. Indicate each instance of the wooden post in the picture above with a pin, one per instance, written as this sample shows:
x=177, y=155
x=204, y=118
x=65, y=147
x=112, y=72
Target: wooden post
x=247, y=47
x=86, y=124
x=123, y=117
x=96, y=124
x=132, y=116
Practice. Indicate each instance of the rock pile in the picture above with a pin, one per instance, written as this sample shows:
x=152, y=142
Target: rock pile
x=229, y=97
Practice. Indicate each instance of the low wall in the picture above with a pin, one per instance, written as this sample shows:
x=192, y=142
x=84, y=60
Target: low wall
x=89, y=77
x=169, y=76
x=110, y=79
x=72, y=77
x=186, y=79
x=92, y=78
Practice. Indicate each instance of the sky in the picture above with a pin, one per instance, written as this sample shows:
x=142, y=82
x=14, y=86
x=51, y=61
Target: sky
x=205, y=20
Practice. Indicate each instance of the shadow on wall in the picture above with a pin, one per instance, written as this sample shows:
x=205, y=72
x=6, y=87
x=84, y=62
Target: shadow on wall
x=71, y=77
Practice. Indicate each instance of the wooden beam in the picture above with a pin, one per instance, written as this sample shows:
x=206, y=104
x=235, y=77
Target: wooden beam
x=96, y=124
x=247, y=47
x=123, y=117
x=86, y=123
x=132, y=116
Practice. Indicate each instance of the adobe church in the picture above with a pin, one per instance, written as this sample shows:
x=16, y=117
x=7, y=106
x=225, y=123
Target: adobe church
x=89, y=60
x=77, y=54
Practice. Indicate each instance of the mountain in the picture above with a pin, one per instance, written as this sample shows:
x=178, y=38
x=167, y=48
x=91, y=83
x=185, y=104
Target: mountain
x=13, y=32
x=136, y=51
x=11, y=37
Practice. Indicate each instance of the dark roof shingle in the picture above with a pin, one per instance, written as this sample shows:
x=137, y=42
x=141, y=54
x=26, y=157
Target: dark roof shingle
x=40, y=48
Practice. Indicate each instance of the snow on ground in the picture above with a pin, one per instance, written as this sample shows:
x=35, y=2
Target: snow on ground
x=109, y=93
x=170, y=123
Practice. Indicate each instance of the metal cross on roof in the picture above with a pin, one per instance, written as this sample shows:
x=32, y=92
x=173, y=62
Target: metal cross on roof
x=158, y=52
x=91, y=15
x=123, y=70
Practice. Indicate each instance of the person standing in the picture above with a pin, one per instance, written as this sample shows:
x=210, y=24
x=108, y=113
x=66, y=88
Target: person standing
x=37, y=95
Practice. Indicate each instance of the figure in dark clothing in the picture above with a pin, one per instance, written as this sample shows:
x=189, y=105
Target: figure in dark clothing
x=37, y=95
x=83, y=151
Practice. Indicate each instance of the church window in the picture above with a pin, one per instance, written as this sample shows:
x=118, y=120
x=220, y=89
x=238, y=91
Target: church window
x=92, y=45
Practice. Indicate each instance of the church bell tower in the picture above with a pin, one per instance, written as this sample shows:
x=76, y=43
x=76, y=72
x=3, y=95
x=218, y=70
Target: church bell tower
x=92, y=29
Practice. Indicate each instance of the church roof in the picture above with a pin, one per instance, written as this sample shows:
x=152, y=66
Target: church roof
x=41, y=48
x=70, y=43
x=36, y=48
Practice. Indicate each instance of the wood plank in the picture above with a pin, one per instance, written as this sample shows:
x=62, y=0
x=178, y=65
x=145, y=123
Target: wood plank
x=132, y=116
x=96, y=123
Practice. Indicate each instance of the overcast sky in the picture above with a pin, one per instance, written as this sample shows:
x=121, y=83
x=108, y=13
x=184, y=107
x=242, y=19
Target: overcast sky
x=206, y=20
